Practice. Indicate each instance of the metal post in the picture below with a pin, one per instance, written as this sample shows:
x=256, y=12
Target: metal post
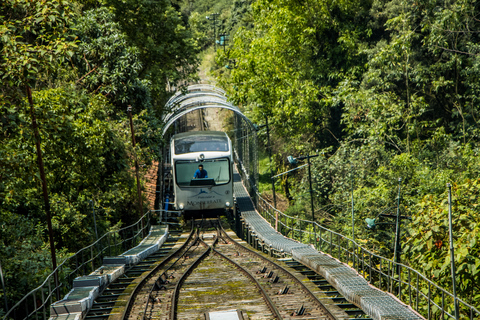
x=139, y=190
x=270, y=160
x=215, y=31
x=353, y=212
x=271, y=173
x=94, y=220
x=224, y=41
x=452, y=253
x=397, y=236
x=3, y=288
x=311, y=190
x=397, y=233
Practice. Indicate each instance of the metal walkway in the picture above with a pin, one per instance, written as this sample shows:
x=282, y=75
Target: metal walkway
x=376, y=303
x=78, y=302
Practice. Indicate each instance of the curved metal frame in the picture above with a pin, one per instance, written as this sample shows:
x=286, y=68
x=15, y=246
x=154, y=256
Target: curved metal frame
x=213, y=97
x=196, y=88
x=204, y=96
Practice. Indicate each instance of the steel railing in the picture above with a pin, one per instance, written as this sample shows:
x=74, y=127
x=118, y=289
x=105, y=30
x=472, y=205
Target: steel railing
x=35, y=305
x=407, y=284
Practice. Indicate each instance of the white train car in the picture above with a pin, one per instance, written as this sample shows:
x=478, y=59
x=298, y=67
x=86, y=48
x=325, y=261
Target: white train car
x=201, y=190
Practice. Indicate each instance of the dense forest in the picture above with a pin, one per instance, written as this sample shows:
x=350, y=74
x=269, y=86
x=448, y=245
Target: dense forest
x=69, y=70
x=382, y=90
x=379, y=89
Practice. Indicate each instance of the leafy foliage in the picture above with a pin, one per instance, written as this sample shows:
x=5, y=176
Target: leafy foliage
x=428, y=247
x=107, y=64
x=382, y=90
x=85, y=159
x=35, y=38
x=165, y=45
x=82, y=67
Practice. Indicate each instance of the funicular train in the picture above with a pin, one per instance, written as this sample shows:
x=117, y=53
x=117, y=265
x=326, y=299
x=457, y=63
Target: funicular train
x=202, y=170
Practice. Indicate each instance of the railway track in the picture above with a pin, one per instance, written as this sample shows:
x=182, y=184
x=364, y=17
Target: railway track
x=193, y=121
x=291, y=297
x=212, y=273
x=110, y=303
x=148, y=292
x=220, y=284
x=207, y=271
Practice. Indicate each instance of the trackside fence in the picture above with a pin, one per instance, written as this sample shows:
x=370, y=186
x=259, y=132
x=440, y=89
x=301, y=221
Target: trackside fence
x=407, y=284
x=35, y=305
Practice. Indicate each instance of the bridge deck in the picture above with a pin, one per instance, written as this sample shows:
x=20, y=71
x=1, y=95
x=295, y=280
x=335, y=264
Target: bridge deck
x=376, y=303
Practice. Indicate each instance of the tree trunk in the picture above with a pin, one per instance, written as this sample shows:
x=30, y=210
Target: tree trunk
x=44, y=188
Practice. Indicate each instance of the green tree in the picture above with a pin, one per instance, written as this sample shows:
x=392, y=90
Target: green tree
x=35, y=39
x=289, y=63
x=86, y=158
x=428, y=247
x=167, y=50
x=107, y=64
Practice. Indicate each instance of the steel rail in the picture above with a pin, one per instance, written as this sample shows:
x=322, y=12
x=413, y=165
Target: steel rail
x=265, y=295
x=168, y=269
x=329, y=315
x=173, y=304
x=197, y=230
x=197, y=237
x=147, y=277
x=176, y=292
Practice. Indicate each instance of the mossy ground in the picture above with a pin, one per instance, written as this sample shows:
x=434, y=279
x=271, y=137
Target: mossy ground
x=216, y=285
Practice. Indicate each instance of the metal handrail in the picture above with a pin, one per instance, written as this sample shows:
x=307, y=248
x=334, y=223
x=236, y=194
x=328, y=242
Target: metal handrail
x=407, y=284
x=35, y=304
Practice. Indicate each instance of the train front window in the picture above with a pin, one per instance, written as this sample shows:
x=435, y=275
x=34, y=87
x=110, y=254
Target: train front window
x=216, y=169
x=201, y=143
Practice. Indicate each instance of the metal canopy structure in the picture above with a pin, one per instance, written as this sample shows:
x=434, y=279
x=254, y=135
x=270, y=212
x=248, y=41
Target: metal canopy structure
x=196, y=97
x=202, y=96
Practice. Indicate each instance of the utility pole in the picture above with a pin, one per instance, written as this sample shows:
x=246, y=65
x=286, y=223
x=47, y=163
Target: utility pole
x=271, y=173
x=353, y=212
x=270, y=159
x=397, y=233
x=310, y=183
x=452, y=252
x=139, y=190
x=398, y=246
x=214, y=19
x=293, y=160
x=94, y=220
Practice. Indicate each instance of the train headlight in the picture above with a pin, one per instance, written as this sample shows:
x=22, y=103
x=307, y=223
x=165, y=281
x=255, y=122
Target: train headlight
x=227, y=204
x=181, y=206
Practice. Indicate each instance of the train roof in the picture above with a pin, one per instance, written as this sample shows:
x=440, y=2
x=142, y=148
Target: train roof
x=201, y=141
x=186, y=135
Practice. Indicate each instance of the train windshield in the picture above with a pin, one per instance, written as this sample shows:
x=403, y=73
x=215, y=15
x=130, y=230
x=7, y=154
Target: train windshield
x=201, y=143
x=188, y=172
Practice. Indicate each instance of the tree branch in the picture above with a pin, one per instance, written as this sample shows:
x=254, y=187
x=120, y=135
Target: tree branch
x=86, y=74
x=457, y=51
